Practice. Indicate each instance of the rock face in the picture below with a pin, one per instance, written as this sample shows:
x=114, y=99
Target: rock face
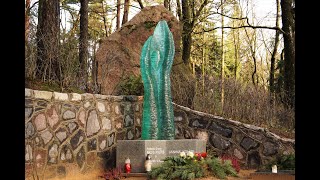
x=119, y=54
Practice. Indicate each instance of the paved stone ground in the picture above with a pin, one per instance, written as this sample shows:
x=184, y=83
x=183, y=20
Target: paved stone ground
x=243, y=174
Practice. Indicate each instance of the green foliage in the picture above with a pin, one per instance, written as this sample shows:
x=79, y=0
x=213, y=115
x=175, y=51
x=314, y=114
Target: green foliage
x=190, y=168
x=178, y=168
x=221, y=169
x=131, y=86
x=149, y=24
x=283, y=162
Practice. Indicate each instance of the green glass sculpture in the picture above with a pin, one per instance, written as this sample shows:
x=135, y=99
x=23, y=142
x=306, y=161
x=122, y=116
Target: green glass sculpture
x=155, y=65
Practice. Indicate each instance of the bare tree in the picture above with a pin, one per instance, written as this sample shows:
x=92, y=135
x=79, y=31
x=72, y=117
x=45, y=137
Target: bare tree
x=166, y=3
x=104, y=19
x=179, y=10
x=222, y=58
x=274, y=52
x=83, y=44
x=118, y=14
x=189, y=18
x=27, y=19
x=289, y=50
x=140, y=4
x=48, y=31
x=125, y=11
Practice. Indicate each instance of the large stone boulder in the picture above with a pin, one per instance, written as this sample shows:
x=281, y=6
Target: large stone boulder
x=118, y=56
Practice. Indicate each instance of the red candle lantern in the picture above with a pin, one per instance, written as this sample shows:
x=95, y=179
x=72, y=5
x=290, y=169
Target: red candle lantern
x=127, y=166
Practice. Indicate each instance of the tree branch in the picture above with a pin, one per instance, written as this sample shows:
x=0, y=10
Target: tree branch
x=199, y=11
x=244, y=26
x=216, y=12
x=140, y=4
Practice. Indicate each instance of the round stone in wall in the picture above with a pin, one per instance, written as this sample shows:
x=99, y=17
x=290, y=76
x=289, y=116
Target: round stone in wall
x=87, y=104
x=219, y=142
x=138, y=132
x=101, y=107
x=80, y=158
x=106, y=123
x=237, y=154
x=28, y=155
x=269, y=149
x=128, y=121
x=62, y=156
x=77, y=139
x=111, y=138
x=130, y=135
x=66, y=154
x=82, y=117
x=92, y=144
x=53, y=116
x=137, y=108
x=103, y=144
x=61, y=134
x=27, y=112
x=46, y=136
x=40, y=122
x=37, y=140
x=248, y=143
x=69, y=155
x=202, y=135
x=117, y=109
x=138, y=121
x=108, y=108
x=29, y=130
x=40, y=159
x=53, y=153
x=93, y=125
x=68, y=114
x=72, y=126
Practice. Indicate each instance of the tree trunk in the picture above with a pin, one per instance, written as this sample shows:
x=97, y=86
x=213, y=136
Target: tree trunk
x=118, y=14
x=186, y=31
x=236, y=50
x=166, y=4
x=94, y=68
x=48, y=31
x=104, y=19
x=289, y=51
x=179, y=10
x=83, y=44
x=140, y=4
x=125, y=11
x=203, y=61
x=252, y=44
x=26, y=20
x=274, y=53
x=222, y=59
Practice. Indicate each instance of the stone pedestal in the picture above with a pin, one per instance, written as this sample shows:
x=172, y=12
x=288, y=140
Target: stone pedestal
x=137, y=151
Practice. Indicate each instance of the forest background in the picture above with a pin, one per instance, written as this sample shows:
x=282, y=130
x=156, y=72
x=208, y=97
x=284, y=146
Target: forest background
x=242, y=59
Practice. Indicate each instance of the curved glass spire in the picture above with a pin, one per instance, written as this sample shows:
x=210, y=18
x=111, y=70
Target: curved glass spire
x=155, y=65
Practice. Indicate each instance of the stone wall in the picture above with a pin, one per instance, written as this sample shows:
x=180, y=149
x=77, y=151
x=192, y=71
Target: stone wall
x=69, y=132
x=253, y=146
x=75, y=133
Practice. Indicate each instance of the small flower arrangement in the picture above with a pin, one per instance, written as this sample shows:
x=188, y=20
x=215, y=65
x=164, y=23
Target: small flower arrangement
x=201, y=155
x=191, y=154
